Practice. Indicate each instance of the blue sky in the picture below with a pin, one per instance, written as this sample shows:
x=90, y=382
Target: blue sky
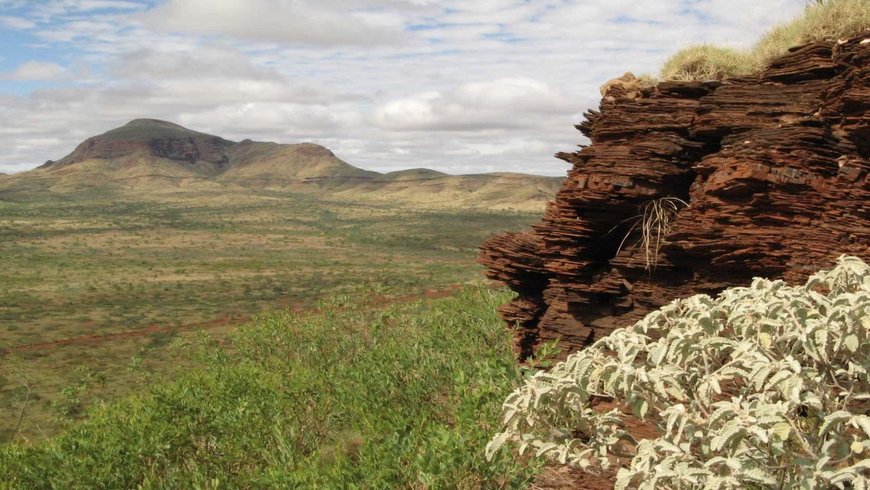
x=456, y=85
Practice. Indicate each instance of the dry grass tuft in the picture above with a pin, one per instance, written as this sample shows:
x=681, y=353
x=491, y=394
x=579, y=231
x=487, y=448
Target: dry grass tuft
x=655, y=220
x=821, y=20
x=705, y=62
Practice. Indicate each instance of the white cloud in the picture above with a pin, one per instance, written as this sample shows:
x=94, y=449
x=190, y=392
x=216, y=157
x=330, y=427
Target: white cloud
x=288, y=119
x=13, y=22
x=523, y=95
x=456, y=85
x=46, y=9
x=190, y=63
x=34, y=70
x=504, y=103
x=293, y=21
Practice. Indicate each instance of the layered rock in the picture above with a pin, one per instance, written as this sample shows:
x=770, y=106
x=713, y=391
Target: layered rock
x=768, y=176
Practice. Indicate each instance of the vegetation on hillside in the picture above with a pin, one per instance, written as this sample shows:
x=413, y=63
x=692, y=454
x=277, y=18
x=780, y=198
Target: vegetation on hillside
x=353, y=397
x=821, y=20
x=763, y=386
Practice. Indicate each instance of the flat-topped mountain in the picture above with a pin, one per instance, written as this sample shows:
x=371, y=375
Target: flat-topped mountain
x=144, y=141
x=152, y=155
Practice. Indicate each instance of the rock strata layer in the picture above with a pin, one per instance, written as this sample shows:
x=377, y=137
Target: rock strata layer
x=693, y=187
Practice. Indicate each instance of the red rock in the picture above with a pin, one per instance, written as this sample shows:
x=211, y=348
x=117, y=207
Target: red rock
x=774, y=169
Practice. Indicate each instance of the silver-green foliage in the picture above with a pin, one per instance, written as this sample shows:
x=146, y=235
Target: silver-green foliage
x=760, y=387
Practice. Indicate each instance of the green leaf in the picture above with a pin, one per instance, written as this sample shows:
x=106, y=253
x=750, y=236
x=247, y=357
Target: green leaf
x=758, y=475
x=834, y=418
x=851, y=342
x=495, y=444
x=781, y=431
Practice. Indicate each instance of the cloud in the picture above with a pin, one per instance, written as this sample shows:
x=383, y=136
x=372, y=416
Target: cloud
x=287, y=119
x=498, y=104
x=293, y=22
x=103, y=4
x=196, y=63
x=524, y=95
x=46, y=9
x=34, y=71
x=13, y=22
x=455, y=85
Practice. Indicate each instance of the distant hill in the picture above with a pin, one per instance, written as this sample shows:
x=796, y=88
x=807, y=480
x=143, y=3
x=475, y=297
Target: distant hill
x=158, y=139
x=151, y=155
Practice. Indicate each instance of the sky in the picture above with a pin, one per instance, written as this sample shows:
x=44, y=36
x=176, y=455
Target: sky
x=460, y=86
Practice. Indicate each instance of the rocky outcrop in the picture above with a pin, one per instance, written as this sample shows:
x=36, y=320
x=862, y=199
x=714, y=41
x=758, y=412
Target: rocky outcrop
x=157, y=138
x=758, y=176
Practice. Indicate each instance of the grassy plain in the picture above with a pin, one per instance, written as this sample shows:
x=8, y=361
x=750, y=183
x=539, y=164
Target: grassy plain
x=358, y=395
x=154, y=267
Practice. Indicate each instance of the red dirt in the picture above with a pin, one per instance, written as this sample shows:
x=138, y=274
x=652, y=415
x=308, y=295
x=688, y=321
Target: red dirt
x=557, y=477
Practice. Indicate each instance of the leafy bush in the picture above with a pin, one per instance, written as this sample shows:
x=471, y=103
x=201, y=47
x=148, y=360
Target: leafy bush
x=764, y=386
x=355, y=397
x=822, y=20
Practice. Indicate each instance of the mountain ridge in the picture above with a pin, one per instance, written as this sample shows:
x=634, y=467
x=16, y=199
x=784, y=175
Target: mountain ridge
x=151, y=154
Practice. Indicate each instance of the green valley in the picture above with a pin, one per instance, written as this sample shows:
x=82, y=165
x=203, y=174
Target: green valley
x=151, y=233
x=144, y=270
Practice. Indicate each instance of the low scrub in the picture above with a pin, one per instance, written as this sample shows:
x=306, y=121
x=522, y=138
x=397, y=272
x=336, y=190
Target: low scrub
x=822, y=20
x=762, y=387
x=354, y=397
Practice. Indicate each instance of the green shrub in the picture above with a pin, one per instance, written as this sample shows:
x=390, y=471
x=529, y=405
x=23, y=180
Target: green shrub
x=763, y=387
x=355, y=397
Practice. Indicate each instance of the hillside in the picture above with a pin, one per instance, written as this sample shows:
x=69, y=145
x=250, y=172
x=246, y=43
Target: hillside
x=148, y=155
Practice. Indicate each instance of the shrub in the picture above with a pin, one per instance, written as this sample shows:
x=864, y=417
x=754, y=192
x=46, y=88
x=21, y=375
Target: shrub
x=353, y=397
x=760, y=387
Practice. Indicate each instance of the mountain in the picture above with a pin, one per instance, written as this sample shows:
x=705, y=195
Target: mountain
x=150, y=155
x=151, y=137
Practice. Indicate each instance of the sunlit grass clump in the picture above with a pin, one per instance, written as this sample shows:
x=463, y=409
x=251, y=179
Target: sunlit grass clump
x=354, y=397
x=825, y=19
x=705, y=62
x=821, y=20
